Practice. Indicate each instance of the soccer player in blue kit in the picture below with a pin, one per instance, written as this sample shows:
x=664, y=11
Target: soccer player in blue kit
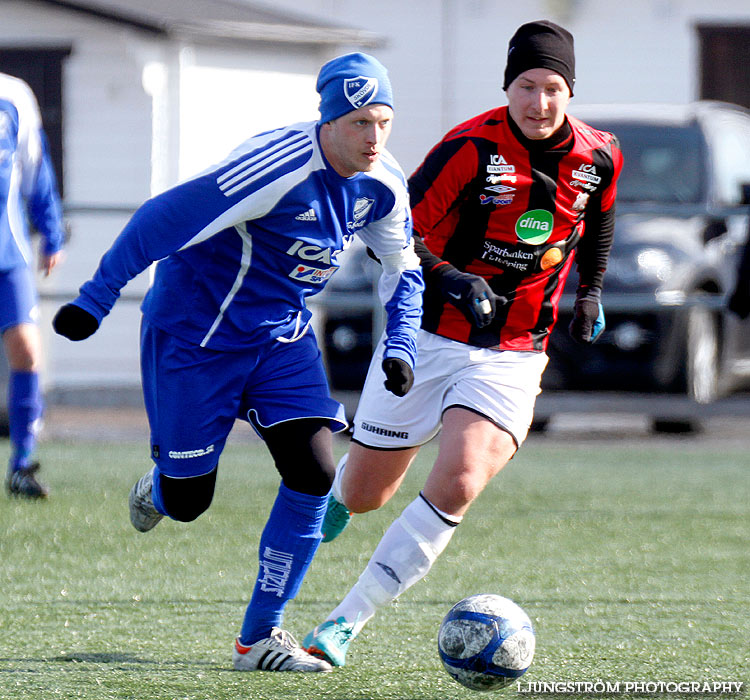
x=28, y=192
x=226, y=333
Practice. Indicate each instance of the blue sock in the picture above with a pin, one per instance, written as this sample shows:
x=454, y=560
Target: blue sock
x=24, y=411
x=287, y=547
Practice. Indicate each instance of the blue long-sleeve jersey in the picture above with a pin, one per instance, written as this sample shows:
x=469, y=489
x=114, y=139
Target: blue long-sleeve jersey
x=27, y=183
x=243, y=244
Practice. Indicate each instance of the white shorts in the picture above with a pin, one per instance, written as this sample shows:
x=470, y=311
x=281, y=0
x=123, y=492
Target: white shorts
x=501, y=385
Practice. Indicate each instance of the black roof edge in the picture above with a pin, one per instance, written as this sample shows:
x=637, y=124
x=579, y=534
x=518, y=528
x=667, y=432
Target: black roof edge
x=226, y=31
x=119, y=17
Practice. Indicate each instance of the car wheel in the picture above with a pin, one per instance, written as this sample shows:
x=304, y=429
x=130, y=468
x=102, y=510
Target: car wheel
x=676, y=426
x=700, y=376
x=702, y=356
x=539, y=425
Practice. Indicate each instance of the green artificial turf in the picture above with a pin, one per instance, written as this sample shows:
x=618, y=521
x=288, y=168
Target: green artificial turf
x=631, y=562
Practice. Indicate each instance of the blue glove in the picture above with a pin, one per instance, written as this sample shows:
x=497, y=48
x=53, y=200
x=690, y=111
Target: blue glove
x=588, y=315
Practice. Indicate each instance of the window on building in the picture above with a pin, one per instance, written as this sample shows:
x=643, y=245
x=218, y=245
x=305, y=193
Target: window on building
x=41, y=68
x=725, y=63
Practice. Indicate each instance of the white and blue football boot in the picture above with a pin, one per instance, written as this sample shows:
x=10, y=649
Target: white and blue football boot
x=279, y=652
x=337, y=517
x=143, y=515
x=330, y=641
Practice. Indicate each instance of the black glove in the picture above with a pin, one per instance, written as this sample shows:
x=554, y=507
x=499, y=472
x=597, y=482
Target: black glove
x=74, y=323
x=399, y=377
x=739, y=302
x=588, y=315
x=470, y=294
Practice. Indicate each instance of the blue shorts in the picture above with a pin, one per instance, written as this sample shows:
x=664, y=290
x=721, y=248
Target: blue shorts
x=18, y=298
x=193, y=395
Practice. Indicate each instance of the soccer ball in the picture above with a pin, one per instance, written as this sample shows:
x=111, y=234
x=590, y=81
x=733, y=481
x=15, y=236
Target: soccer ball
x=486, y=642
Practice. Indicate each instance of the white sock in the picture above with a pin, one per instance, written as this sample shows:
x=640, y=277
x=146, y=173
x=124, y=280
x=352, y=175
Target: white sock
x=404, y=556
x=336, y=486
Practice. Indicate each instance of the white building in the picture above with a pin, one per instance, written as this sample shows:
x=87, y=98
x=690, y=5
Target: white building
x=154, y=90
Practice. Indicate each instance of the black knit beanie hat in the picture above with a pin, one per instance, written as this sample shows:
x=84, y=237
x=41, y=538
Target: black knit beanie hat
x=541, y=44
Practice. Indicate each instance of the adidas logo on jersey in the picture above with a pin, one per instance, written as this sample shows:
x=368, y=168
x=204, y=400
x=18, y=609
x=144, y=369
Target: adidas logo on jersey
x=308, y=215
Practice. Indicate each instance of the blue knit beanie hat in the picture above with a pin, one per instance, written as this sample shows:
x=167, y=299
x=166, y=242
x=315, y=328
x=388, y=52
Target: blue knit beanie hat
x=352, y=81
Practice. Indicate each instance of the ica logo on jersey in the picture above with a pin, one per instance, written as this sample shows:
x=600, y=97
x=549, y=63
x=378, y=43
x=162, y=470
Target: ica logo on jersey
x=313, y=253
x=498, y=164
x=309, y=251
x=587, y=173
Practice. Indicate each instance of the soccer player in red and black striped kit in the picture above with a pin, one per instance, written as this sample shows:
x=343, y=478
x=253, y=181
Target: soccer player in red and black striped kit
x=503, y=206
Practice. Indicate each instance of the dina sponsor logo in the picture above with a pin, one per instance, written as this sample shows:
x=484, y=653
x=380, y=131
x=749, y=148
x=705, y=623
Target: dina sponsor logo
x=535, y=226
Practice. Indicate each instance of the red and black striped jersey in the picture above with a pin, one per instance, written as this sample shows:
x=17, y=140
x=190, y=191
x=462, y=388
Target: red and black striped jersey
x=495, y=204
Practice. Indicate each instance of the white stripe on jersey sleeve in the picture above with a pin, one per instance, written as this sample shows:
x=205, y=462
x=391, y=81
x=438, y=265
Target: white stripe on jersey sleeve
x=263, y=163
x=258, y=202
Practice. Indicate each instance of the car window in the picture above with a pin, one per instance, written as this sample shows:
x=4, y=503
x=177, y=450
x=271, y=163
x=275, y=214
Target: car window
x=731, y=139
x=662, y=164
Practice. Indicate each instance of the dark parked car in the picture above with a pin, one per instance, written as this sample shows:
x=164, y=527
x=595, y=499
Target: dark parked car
x=683, y=214
x=682, y=220
x=350, y=318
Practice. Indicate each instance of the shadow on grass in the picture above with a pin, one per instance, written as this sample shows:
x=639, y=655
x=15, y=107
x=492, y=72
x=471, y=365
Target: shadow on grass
x=104, y=658
x=368, y=696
